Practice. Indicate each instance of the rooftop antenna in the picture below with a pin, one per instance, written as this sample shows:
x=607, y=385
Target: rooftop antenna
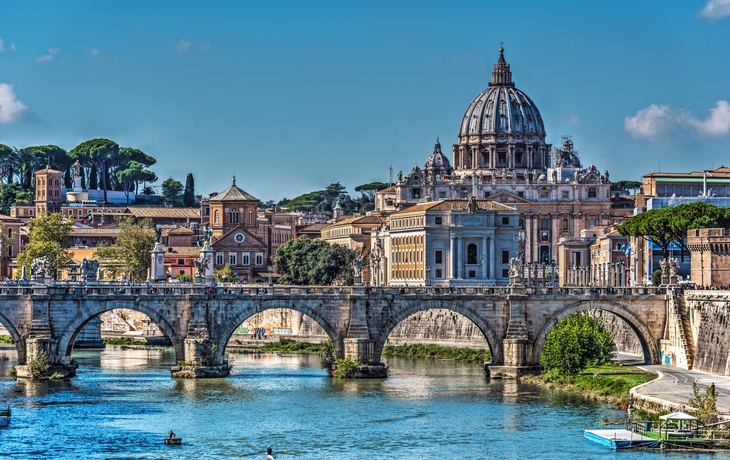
x=390, y=175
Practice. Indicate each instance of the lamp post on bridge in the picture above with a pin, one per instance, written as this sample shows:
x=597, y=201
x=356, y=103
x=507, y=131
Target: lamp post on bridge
x=270, y=269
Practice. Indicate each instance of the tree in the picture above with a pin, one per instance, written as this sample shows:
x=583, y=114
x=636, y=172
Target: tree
x=101, y=153
x=130, y=254
x=705, y=404
x=189, y=193
x=576, y=343
x=6, y=163
x=48, y=237
x=630, y=185
x=171, y=190
x=655, y=225
x=225, y=274
x=6, y=241
x=129, y=177
x=368, y=190
x=314, y=262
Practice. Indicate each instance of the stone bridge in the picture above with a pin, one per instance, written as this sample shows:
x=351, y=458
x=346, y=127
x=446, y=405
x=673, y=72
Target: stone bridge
x=200, y=320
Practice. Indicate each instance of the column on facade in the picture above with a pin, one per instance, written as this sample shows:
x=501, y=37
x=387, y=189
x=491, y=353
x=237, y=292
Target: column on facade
x=484, y=257
x=511, y=158
x=492, y=262
x=459, y=257
x=452, y=253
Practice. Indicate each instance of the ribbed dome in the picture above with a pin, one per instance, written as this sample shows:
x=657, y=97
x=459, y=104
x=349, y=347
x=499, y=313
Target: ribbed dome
x=502, y=108
x=437, y=160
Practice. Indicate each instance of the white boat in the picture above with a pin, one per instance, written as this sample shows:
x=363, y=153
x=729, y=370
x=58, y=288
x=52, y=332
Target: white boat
x=4, y=417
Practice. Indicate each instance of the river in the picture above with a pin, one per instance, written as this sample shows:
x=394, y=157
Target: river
x=123, y=402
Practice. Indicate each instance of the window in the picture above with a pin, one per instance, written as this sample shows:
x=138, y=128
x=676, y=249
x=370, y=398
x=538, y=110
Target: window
x=521, y=194
x=233, y=216
x=439, y=273
x=544, y=194
x=471, y=254
x=505, y=257
x=250, y=217
x=591, y=192
x=439, y=221
x=181, y=261
x=544, y=225
x=544, y=236
x=182, y=272
x=438, y=257
x=522, y=223
x=566, y=194
x=591, y=222
x=233, y=258
x=259, y=258
x=441, y=195
x=416, y=193
x=505, y=220
x=245, y=258
x=486, y=194
x=472, y=274
x=565, y=225
x=220, y=259
x=217, y=217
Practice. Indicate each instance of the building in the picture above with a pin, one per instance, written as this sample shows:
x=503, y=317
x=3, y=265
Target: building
x=234, y=222
x=354, y=233
x=48, y=196
x=446, y=243
x=502, y=156
x=597, y=258
x=710, y=248
x=11, y=227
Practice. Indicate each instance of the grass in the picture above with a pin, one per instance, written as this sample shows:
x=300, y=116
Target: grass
x=432, y=351
x=123, y=341
x=291, y=346
x=610, y=382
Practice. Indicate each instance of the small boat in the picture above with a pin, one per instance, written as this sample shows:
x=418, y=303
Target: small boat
x=173, y=441
x=269, y=456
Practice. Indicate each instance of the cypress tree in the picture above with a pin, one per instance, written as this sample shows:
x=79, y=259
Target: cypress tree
x=189, y=193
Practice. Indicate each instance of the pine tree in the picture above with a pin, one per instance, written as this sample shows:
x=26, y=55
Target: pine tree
x=189, y=193
x=93, y=179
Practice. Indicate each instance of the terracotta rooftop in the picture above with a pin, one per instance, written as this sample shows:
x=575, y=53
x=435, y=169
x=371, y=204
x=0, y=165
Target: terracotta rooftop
x=233, y=193
x=187, y=251
x=178, y=231
x=170, y=213
x=108, y=231
x=722, y=171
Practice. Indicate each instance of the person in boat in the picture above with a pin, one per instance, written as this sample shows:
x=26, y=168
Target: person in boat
x=172, y=435
x=269, y=450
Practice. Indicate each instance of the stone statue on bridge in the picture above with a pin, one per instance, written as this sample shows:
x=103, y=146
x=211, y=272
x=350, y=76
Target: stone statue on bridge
x=89, y=269
x=40, y=269
x=207, y=234
x=515, y=270
x=201, y=266
x=472, y=205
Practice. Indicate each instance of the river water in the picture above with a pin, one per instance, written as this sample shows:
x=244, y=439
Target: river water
x=123, y=402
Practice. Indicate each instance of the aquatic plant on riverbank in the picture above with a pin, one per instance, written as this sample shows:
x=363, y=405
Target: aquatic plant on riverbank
x=610, y=382
x=433, y=351
x=123, y=341
x=292, y=345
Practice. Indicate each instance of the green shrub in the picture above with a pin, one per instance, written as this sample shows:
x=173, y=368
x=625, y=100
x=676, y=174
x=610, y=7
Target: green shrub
x=39, y=364
x=346, y=368
x=576, y=343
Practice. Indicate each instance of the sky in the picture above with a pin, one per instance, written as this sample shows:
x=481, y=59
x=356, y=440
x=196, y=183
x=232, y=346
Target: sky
x=290, y=96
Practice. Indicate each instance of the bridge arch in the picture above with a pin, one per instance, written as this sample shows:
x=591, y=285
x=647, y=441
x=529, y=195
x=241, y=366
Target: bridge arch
x=649, y=344
x=254, y=308
x=411, y=308
x=18, y=339
x=83, y=315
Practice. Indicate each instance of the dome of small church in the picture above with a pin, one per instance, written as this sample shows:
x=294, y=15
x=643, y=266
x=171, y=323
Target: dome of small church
x=502, y=108
x=437, y=160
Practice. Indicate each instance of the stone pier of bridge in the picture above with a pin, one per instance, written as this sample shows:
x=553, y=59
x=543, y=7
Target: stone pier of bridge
x=44, y=320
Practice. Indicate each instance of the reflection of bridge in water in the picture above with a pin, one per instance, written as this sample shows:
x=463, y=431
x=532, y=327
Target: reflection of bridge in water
x=200, y=320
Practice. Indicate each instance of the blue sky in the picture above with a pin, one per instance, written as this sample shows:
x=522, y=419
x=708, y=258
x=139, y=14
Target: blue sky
x=291, y=96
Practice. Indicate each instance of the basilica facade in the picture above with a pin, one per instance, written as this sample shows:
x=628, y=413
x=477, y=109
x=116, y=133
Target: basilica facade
x=502, y=156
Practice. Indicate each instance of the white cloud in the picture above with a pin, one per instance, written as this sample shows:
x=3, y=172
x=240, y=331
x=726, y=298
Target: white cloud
x=2, y=45
x=11, y=109
x=96, y=52
x=183, y=46
x=52, y=52
x=659, y=122
x=715, y=9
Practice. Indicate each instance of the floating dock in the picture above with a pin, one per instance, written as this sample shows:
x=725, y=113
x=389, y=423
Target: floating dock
x=620, y=439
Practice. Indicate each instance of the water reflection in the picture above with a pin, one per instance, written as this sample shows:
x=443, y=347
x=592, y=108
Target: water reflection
x=123, y=402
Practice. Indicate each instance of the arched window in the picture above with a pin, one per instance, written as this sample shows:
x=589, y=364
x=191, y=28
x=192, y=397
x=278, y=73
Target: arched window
x=591, y=222
x=565, y=225
x=233, y=216
x=471, y=254
x=544, y=224
x=217, y=217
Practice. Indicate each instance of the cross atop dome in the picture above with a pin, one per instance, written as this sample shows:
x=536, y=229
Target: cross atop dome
x=501, y=75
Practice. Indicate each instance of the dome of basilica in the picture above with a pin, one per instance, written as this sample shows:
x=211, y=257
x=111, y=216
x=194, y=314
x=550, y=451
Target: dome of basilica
x=502, y=108
x=437, y=160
